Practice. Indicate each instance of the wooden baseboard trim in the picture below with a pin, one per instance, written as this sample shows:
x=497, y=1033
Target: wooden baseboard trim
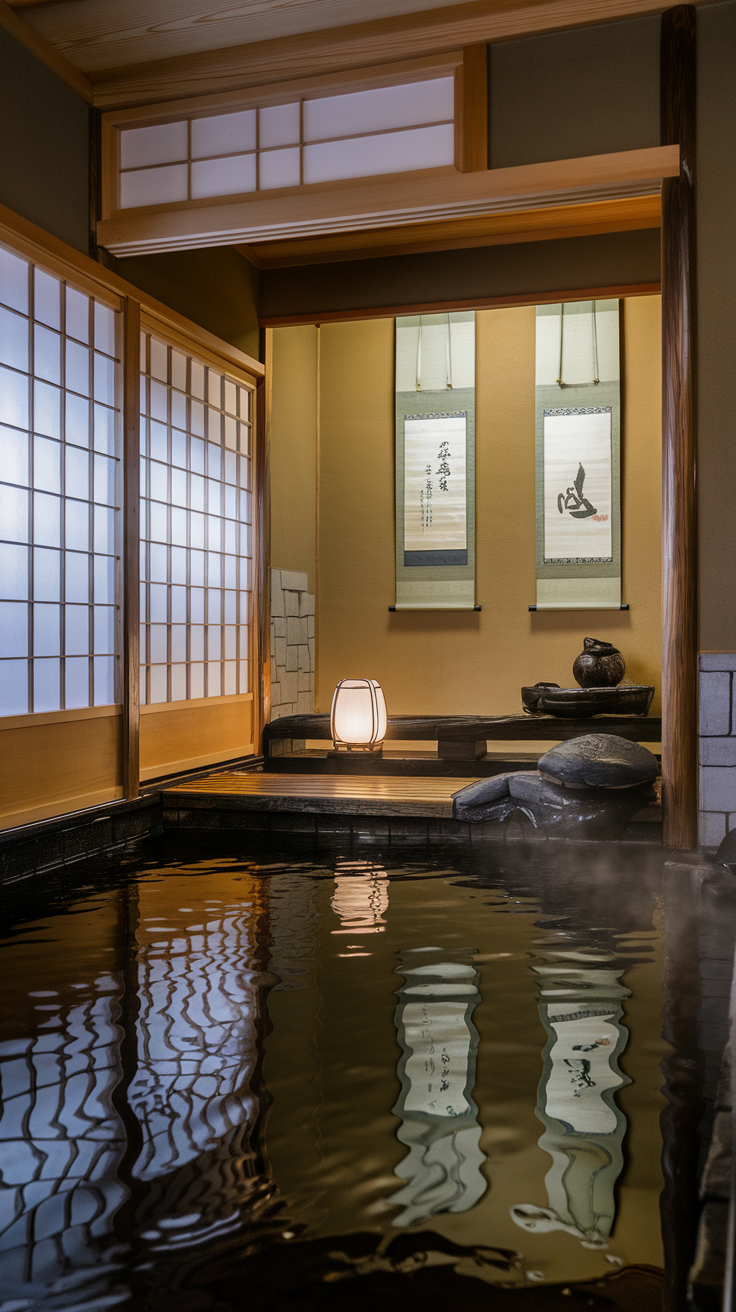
x=166, y=768
x=61, y=807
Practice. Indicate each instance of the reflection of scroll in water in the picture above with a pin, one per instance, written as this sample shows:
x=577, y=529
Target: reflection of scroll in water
x=437, y=1071
x=360, y=901
x=584, y=1128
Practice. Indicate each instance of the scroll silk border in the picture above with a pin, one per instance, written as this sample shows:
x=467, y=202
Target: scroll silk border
x=435, y=586
x=589, y=575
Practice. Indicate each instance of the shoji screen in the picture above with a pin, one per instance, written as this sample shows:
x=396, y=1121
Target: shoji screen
x=196, y=548
x=60, y=548
x=59, y=494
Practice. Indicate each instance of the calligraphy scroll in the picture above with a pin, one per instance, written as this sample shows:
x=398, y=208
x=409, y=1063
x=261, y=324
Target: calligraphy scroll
x=577, y=456
x=435, y=462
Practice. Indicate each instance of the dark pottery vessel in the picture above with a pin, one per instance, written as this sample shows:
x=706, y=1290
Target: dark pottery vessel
x=599, y=665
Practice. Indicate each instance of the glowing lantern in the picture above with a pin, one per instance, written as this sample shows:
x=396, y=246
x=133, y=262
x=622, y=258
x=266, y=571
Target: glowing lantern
x=358, y=719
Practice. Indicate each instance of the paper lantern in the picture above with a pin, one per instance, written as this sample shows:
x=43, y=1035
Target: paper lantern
x=358, y=719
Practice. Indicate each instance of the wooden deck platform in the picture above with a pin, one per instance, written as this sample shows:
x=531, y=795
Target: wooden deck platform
x=386, y=810
x=319, y=794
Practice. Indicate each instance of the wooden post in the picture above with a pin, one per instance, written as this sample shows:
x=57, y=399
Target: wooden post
x=471, y=110
x=262, y=548
x=131, y=545
x=679, y=531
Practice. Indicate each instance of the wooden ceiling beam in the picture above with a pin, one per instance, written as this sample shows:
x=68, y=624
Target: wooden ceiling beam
x=394, y=201
x=353, y=46
x=546, y=224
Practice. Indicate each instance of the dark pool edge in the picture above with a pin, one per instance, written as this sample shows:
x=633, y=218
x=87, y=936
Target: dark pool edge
x=98, y=831
x=67, y=840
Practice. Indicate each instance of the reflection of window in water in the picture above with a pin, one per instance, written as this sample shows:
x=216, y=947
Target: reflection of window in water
x=584, y=1129
x=439, y=1123
x=61, y=1144
x=360, y=898
x=197, y=1050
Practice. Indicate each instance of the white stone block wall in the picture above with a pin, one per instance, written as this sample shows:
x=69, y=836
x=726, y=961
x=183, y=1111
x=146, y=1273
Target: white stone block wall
x=717, y=746
x=292, y=644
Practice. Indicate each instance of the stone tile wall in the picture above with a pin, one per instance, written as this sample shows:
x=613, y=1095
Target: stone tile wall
x=717, y=746
x=292, y=644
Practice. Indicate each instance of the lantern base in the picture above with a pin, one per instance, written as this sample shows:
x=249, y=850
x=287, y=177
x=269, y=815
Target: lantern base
x=343, y=749
x=356, y=758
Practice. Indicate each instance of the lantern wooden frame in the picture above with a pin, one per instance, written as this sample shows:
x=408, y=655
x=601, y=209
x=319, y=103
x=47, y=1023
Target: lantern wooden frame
x=373, y=739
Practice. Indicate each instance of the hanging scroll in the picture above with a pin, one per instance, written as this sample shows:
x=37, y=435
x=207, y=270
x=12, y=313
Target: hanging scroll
x=435, y=462
x=577, y=456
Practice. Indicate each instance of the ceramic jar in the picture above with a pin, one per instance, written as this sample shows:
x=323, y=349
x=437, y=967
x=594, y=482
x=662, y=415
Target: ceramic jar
x=599, y=665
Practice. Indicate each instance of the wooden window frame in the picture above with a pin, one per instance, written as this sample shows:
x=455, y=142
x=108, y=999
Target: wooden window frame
x=467, y=66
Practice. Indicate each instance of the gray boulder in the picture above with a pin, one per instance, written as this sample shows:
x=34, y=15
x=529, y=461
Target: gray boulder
x=599, y=760
x=563, y=812
x=726, y=853
x=554, y=810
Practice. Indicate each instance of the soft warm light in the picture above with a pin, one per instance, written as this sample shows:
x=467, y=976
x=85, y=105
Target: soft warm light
x=358, y=720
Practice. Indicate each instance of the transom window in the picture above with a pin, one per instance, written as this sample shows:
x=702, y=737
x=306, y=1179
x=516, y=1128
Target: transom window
x=59, y=494
x=324, y=139
x=195, y=527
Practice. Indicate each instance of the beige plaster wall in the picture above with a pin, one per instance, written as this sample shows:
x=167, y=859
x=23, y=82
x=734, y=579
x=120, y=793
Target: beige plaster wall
x=294, y=433
x=430, y=662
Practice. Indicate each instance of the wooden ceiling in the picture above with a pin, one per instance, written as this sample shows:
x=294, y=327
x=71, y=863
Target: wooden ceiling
x=114, y=34
x=121, y=53
x=117, y=53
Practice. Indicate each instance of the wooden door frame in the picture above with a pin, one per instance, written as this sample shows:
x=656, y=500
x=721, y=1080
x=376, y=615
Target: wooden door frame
x=679, y=510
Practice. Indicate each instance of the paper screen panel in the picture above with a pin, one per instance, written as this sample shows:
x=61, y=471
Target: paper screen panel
x=59, y=495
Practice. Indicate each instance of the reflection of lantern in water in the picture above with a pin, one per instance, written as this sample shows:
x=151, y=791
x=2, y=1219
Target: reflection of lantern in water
x=584, y=1127
x=360, y=900
x=437, y=1073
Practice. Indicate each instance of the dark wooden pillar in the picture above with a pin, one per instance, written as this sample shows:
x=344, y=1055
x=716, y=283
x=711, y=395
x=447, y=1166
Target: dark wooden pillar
x=131, y=545
x=261, y=644
x=679, y=533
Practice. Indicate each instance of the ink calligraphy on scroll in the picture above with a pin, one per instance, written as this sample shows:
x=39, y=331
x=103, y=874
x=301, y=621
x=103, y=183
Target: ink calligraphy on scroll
x=435, y=497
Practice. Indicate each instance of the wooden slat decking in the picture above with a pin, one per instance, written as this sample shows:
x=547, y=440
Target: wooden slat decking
x=327, y=794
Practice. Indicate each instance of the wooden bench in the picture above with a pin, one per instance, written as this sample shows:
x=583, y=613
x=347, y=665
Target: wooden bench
x=461, y=741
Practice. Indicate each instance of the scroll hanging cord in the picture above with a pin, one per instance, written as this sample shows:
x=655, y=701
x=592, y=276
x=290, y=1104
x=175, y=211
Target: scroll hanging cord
x=448, y=362
x=596, y=369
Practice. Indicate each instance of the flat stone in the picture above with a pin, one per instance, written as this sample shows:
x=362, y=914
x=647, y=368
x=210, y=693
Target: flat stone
x=294, y=579
x=475, y=801
x=599, y=760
